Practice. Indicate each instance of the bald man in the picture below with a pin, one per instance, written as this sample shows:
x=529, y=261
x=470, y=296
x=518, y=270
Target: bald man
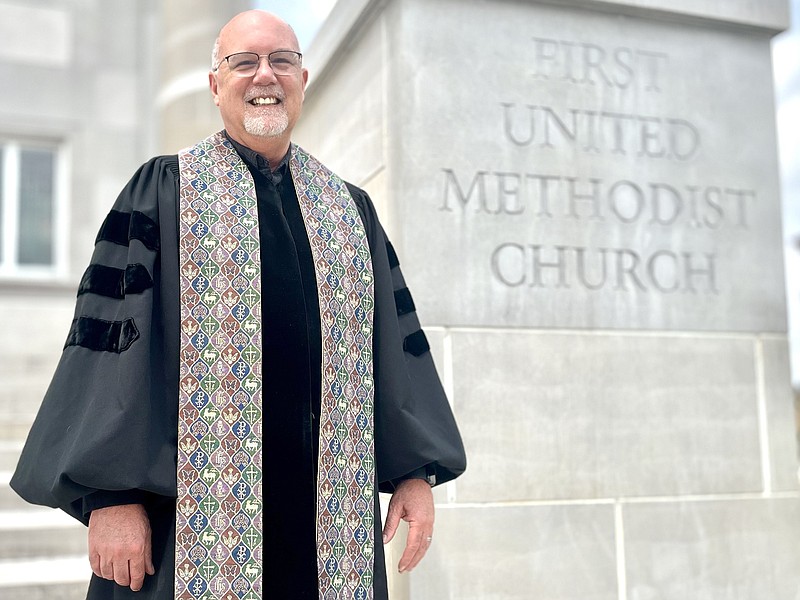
x=245, y=369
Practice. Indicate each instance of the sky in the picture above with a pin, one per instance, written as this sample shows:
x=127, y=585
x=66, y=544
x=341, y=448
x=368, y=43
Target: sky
x=306, y=16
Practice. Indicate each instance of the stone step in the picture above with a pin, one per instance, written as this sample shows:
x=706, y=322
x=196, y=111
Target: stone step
x=40, y=533
x=53, y=591
x=9, y=501
x=63, y=578
x=32, y=365
x=23, y=393
x=15, y=426
x=9, y=454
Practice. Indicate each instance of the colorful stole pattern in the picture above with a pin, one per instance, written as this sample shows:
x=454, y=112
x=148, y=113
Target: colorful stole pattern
x=219, y=530
x=345, y=482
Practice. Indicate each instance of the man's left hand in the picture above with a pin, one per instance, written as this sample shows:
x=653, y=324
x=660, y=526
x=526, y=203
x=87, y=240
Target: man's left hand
x=412, y=501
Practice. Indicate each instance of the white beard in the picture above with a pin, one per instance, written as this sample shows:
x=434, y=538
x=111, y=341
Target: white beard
x=266, y=126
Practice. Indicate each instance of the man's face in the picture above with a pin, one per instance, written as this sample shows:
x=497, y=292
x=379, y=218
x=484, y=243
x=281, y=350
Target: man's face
x=263, y=105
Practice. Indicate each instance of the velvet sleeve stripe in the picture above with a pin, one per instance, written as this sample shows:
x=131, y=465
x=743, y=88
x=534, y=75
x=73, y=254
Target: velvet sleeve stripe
x=416, y=343
x=102, y=336
x=120, y=227
x=115, y=283
x=115, y=228
x=393, y=260
x=404, y=302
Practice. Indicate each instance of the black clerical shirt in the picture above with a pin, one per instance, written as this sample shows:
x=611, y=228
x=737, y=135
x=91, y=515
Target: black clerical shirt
x=291, y=397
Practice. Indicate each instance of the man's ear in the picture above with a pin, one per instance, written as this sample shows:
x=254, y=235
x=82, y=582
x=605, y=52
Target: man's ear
x=212, y=83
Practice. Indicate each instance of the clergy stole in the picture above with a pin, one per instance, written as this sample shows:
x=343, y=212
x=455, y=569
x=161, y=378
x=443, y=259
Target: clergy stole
x=219, y=527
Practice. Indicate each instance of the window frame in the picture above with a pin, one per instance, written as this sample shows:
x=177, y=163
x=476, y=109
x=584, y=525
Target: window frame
x=10, y=165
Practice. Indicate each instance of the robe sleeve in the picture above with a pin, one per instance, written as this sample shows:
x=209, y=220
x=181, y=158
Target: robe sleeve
x=106, y=432
x=415, y=430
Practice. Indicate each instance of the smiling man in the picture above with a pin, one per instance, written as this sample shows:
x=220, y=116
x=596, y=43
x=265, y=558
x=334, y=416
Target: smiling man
x=258, y=82
x=245, y=369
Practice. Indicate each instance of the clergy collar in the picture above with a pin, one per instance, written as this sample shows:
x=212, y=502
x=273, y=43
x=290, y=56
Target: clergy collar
x=261, y=164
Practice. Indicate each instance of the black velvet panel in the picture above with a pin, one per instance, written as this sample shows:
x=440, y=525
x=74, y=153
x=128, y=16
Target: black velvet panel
x=416, y=343
x=144, y=229
x=115, y=283
x=393, y=260
x=120, y=227
x=404, y=301
x=137, y=279
x=103, y=336
x=102, y=280
x=115, y=228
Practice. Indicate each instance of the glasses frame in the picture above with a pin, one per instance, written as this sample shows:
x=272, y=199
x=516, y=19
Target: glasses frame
x=260, y=56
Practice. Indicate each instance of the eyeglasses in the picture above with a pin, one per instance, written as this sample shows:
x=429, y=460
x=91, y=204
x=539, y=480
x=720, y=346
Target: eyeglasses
x=245, y=64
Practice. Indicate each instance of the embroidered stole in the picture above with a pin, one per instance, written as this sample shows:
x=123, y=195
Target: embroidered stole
x=219, y=528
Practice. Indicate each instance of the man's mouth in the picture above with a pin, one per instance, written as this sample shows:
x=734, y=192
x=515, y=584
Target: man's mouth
x=260, y=101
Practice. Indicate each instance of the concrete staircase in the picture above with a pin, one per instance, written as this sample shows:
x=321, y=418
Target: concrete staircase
x=42, y=550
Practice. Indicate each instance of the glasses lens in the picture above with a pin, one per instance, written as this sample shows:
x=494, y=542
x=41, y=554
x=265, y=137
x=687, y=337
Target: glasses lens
x=243, y=63
x=284, y=62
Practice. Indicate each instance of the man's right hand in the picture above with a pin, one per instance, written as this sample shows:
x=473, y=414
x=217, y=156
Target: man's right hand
x=119, y=544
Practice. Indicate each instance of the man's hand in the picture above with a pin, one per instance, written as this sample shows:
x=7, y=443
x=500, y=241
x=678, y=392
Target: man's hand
x=119, y=544
x=412, y=501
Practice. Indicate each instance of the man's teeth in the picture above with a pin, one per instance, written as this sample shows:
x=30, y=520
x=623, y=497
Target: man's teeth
x=263, y=101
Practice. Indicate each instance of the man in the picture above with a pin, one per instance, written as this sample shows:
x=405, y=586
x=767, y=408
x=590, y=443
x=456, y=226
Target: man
x=244, y=313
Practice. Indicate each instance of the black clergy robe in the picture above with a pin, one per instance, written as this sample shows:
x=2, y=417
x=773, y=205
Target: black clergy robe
x=106, y=433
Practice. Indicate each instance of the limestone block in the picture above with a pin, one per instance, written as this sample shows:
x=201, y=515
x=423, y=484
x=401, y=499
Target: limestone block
x=116, y=99
x=726, y=549
x=771, y=14
x=782, y=423
x=436, y=337
x=35, y=36
x=571, y=415
x=575, y=168
x=355, y=102
x=519, y=553
x=33, y=334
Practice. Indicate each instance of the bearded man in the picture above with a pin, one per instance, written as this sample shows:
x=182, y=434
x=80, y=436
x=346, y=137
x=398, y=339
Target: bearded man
x=245, y=369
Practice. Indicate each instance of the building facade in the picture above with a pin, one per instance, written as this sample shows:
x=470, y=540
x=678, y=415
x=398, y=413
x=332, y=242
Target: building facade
x=611, y=332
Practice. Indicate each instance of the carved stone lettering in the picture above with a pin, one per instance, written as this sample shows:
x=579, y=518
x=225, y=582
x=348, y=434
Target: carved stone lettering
x=619, y=269
x=600, y=132
x=586, y=63
x=626, y=202
x=606, y=183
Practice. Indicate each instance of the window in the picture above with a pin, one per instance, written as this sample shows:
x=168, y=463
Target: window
x=30, y=238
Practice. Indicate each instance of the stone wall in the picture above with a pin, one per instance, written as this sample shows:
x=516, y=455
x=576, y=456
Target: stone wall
x=584, y=197
x=78, y=77
x=108, y=83
x=183, y=102
x=80, y=73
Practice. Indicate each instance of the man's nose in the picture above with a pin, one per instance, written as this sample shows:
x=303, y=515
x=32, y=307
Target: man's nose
x=264, y=72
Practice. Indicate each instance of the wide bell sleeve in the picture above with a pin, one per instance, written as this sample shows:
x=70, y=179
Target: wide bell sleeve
x=414, y=425
x=106, y=431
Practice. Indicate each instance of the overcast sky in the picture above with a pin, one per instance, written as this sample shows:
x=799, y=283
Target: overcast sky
x=306, y=16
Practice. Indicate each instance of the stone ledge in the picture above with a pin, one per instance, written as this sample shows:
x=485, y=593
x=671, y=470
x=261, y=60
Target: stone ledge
x=44, y=573
x=772, y=15
x=348, y=17
x=40, y=542
x=60, y=591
